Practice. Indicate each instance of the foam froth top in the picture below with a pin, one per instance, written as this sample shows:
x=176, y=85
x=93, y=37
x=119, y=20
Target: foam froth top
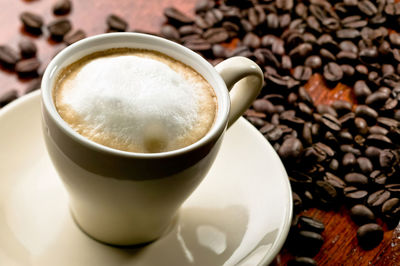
x=137, y=101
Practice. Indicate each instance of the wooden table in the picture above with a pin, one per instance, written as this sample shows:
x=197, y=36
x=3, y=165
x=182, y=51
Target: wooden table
x=340, y=247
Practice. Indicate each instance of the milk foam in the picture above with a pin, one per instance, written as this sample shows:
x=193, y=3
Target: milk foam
x=136, y=103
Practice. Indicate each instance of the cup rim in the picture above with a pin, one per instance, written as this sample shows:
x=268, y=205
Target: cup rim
x=53, y=68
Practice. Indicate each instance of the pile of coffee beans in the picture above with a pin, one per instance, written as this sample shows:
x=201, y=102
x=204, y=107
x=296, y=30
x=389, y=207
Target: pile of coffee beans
x=337, y=154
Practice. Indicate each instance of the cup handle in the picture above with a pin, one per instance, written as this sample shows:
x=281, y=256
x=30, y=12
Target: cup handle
x=244, y=80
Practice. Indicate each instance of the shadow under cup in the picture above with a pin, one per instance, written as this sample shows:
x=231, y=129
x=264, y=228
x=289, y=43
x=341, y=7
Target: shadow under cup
x=120, y=197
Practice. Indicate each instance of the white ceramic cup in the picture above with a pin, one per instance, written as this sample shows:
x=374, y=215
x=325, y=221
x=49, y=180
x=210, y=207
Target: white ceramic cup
x=126, y=198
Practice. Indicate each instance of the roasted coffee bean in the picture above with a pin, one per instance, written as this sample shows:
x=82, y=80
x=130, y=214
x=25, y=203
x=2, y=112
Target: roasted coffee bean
x=333, y=180
x=8, y=56
x=369, y=235
x=377, y=198
x=349, y=160
x=307, y=243
x=356, y=179
x=284, y=21
x=313, y=24
x=274, y=134
x=59, y=28
x=377, y=99
x=310, y=38
x=202, y=23
x=327, y=55
x=327, y=193
x=347, y=34
x=378, y=130
x=367, y=7
x=359, y=140
x=258, y=123
x=189, y=29
x=300, y=180
x=199, y=45
x=367, y=113
x=378, y=178
x=387, y=158
x=263, y=105
x=342, y=106
x=348, y=70
x=323, y=148
x=310, y=224
x=256, y=16
x=389, y=205
x=297, y=202
x=32, y=22
x=272, y=21
x=216, y=35
x=368, y=54
x=365, y=165
x=302, y=261
x=301, y=10
x=394, y=189
x=326, y=41
x=27, y=66
x=379, y=141
x=354, y=195
x=350, y=19
x=203, y=5
x=169, y=32
x=214, y=16
x=333, y=72
x=301, y=50
x=278, y=47
x=387, y=122
x=356, y=24
x=62, y=7
x=284, y=4
x=252, y=40
x=313, y=62
x=7, y=96
x=361, y=125
x=115, y=23
x=75, y=36
x=27, y=47
x=361, y=214
x=302, y=73
x=331, y=122
x=372, y=152
x=345, y=57
x=348, y=46
x=347, y=119
x=387, y=70
x=361, y=71
x=345, y=136
x=275, y=99
x=326, y=109
x=176, y=17
x=334, y=166
x=350, y=149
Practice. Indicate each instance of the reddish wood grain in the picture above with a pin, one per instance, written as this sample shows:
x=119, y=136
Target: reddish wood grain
x=340, y=247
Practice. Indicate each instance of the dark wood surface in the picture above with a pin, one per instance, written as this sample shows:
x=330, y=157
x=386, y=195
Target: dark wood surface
x=340, y=247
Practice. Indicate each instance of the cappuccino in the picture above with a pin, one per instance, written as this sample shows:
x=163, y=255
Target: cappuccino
x=135, y=100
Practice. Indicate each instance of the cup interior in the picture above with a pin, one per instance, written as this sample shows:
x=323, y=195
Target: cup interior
x=142, y=41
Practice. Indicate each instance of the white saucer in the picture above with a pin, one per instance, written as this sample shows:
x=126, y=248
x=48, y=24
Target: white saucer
x=239, y=215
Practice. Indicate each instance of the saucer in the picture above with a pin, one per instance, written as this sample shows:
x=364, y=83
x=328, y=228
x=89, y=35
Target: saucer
x=239, y=215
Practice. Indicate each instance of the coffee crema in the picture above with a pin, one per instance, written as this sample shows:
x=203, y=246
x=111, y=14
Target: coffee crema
x=135, y=100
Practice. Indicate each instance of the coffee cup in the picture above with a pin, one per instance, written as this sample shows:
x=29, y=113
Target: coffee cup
x=124, y=195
